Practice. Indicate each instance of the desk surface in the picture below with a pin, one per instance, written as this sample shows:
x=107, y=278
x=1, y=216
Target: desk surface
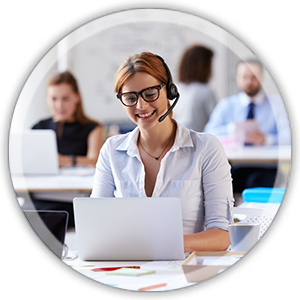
x=165, y=272
x=83, y=181
x=258, y=153
x=53, y=183
x=169, y=272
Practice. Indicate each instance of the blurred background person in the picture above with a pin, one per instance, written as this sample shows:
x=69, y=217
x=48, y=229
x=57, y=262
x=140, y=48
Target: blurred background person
x=79, y=138
x=261, y=119
x=197, y=99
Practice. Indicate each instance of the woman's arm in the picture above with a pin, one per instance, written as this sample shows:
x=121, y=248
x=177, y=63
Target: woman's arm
x=95, y=141
x=104, y=185
x=214, y=239
x=217, y=193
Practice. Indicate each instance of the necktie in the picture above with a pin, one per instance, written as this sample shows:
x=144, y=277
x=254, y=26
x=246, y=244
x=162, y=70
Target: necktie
x=250, y=116
x=251, y=111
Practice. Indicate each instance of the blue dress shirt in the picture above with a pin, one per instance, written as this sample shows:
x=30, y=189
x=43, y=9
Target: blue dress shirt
x=195, y=170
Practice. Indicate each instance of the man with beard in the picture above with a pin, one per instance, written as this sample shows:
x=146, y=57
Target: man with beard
x=257, y=118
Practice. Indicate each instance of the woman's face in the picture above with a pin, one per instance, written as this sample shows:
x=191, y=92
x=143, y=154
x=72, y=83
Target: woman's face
x=145, y=114
x=62, y=101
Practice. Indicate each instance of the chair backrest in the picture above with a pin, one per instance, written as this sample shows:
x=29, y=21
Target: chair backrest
x=255, y=215
x=263, y=195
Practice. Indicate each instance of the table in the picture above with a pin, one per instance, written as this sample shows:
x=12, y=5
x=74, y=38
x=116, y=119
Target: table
x=79, y=179
x=258, y=154
x=165, y=272
x=82, y=180
x=275, y=157
x=52, y=183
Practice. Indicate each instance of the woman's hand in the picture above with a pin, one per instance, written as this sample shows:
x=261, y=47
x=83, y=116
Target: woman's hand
x=64, y=160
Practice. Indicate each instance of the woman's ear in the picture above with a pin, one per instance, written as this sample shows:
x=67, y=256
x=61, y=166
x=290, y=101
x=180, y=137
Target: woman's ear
x=78, y=98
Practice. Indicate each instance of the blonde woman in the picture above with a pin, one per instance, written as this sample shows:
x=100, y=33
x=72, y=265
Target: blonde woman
x=79, y=138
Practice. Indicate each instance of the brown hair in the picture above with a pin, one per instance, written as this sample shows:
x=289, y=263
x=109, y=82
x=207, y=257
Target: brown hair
x=146, y=62
x=67, y=77
x=195, y=65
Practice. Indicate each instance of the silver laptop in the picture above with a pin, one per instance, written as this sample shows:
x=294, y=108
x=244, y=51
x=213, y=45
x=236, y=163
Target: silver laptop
x=33, y=152
x=129, y=228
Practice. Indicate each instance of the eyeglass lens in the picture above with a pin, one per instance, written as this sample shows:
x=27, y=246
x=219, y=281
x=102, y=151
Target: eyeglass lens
x=149, y=95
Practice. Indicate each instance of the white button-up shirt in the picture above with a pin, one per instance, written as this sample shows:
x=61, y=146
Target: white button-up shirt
x=195, y=170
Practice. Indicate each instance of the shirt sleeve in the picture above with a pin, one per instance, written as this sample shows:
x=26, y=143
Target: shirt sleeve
x=282, y=123
x=103, y=185
x=217, y=124
x=217, y=186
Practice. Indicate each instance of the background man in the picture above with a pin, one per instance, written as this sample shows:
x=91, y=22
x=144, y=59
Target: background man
x=254, y=118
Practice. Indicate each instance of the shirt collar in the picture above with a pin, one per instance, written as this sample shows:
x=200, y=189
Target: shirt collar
x=182, y=139
x=257, y=99
x=130, y=143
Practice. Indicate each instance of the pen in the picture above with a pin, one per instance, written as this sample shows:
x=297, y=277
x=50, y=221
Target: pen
x=114, y=268
x=151, y=287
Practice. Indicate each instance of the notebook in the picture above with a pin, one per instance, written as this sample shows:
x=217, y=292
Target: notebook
x=132, y=229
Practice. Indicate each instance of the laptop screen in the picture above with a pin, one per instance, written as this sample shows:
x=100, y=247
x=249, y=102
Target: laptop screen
x=50, y=226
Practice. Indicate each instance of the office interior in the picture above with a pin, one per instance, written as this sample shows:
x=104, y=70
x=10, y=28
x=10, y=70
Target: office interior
x=94, y=52
x=93, y=55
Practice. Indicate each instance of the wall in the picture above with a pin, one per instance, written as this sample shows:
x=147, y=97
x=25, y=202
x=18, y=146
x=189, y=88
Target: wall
x=95, y=61
x=94, y=52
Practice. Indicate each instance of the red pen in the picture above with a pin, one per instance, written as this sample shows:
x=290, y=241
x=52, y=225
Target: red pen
x=151, y=287
x=114, y=268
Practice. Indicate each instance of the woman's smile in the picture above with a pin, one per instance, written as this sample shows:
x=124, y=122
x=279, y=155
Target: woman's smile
x=145, y=115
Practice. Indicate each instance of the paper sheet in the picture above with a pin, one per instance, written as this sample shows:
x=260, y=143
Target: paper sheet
x=217, y=260
x=173, y=280
x=162, y=265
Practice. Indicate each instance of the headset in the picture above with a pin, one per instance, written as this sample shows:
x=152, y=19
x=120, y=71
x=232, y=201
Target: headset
x=172, y=91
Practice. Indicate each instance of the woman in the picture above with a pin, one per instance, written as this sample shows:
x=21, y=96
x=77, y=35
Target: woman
x=165, y=159
x=79, y=138
x=198, y=99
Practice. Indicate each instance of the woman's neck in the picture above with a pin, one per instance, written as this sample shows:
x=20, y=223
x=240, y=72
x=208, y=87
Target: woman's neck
x=69, y=120
x=159, y=136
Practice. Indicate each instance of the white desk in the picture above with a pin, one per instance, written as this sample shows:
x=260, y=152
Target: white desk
x=83, y=183
x=258, y=154
x=52, y=183
x=170, y=273
x=79, y=179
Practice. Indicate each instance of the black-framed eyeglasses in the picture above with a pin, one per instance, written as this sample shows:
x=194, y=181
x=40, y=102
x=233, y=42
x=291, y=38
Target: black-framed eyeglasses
x=149, y=94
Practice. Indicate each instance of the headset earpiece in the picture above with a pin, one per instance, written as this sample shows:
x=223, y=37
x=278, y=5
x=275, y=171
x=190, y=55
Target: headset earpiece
x=172, y=91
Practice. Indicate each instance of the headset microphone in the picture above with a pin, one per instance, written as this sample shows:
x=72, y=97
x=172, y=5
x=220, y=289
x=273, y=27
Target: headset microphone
x=169, y=110
x=172, y=92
